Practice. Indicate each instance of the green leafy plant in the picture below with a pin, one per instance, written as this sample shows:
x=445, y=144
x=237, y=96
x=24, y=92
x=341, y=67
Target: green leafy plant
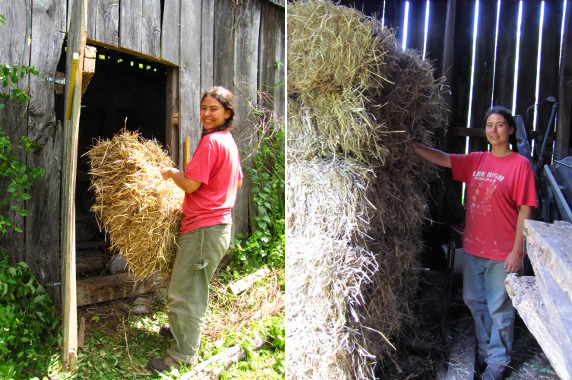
x=265, y=244
x=10, y=76
x=28, y=320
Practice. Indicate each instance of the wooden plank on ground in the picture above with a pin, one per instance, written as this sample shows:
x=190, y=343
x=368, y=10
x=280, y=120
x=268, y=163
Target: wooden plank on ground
x=527, y=300
x=100, y=289
x=213, y=367
x=247, y=282
x=550, y=244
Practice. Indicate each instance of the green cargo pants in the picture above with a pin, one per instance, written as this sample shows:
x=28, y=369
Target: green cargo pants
x=198, y=255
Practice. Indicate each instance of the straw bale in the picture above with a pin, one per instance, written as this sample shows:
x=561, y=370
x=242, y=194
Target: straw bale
x=328, y=197
x=329, y=274
x=139, y=211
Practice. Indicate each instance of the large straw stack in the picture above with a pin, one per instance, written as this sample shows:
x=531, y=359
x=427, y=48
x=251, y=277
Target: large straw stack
x=356, y=193
x=140, y=212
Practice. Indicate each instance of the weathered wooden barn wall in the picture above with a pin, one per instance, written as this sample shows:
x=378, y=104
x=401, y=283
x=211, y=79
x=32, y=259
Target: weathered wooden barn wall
x=449, y=45
x=237, y=44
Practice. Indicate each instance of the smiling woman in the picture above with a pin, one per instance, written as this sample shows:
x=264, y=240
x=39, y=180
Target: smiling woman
x=500, y=196
x=211, y=181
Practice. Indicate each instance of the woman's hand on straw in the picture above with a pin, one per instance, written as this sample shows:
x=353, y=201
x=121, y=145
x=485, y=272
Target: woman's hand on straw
x=166, y=173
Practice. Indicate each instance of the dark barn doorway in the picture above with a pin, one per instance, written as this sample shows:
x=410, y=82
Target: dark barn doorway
x=124, y=92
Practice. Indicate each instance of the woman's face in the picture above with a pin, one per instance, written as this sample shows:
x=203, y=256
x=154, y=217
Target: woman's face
x=213, y=114
x=498, y=130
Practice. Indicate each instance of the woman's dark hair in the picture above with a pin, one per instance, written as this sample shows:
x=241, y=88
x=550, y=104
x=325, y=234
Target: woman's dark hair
x=505, y=112
x=224, y=97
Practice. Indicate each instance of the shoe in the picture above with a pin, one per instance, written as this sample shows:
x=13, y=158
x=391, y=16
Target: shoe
x=163, y=364
x=166, y=331
x=494, y=372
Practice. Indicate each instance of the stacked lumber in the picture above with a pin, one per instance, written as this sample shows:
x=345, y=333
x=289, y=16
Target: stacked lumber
x=545, y=301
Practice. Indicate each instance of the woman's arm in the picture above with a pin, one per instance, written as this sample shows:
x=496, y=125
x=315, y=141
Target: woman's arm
x=187, y=184
x=513, y=261
x=434, y=156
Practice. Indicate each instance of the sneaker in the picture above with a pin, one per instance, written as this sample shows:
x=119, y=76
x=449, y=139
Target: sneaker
x=166, y=331
x=494, y=372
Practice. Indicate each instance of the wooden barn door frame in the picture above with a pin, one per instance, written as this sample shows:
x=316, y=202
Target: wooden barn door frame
x=76, y=41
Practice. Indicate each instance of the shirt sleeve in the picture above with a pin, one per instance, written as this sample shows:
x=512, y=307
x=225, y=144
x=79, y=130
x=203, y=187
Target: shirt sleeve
x=461, y=167
x=525, y=192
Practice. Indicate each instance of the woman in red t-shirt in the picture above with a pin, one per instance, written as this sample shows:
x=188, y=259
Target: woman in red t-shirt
x=211, y=181
x=500, y=196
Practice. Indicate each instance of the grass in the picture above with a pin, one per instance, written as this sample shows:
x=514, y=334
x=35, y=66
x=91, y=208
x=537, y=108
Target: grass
x=118, y=343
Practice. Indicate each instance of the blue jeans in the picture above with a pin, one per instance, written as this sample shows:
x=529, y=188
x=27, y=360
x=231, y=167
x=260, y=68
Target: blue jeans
x=199, y=254
x=485, y=294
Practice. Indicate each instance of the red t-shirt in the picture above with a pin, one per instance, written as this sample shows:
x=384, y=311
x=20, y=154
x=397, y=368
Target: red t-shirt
x=496, y=188
x=216, y=164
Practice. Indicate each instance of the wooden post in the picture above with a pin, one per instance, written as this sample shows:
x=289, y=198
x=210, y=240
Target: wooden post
x=74, y=68
x=187, y=152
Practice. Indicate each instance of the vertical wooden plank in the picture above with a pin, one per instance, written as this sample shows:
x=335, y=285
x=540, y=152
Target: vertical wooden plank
x=271, y=57
x=416, y=25
x=172, y=113
x=170, y=34
x=43, y=223
x=92, y=7
x=107, y=22
x=528, y=57
x=461, y=76
x=246, y=82
x=131, y=24
x=14, y=50
x=190, y=74
x=506, y=54
x=439, y=34
x=151, y=28
x=549, y=62
x=393, y=18
x=224, y=44
x=563, y=135
x=207, y=45
x=484, y=65
x=75, y=46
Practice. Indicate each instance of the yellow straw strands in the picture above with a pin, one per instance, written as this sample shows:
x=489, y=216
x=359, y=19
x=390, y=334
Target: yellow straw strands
x=140, y=212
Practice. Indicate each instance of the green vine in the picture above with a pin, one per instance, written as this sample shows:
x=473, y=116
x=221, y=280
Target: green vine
x=265, y=245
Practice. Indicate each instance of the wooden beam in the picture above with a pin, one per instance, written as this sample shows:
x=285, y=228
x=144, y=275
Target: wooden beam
x=74, y=58
x=527, y=300
x=100, y=289
x=247, y=282
x=549, y=245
